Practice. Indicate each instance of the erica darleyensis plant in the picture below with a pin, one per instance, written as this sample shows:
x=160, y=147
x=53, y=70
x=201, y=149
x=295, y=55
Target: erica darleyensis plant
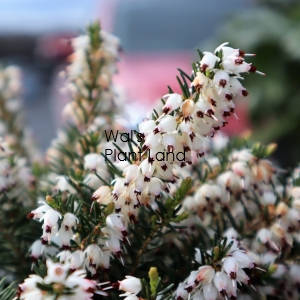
x=173, y=215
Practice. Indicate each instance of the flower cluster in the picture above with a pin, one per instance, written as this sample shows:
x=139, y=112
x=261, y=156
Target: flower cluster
x=169, y=141
x=220, y=277
x=106, y=219
x=59, y=283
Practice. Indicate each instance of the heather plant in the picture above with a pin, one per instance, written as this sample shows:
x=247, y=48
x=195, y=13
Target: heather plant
x=169, y=210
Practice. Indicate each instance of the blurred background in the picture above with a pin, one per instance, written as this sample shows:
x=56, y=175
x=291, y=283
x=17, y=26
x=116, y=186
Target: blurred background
x=157, y=38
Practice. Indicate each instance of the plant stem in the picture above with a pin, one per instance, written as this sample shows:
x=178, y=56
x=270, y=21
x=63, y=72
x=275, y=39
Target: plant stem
x=144, y=247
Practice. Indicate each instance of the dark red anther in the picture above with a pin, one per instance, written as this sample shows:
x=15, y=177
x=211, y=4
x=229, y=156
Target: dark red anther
x=233, y=275
x=116, y=285
x=199, y=114
x=245, y=93
x=222, y=83
x=242, y=53
x=150, y=160
x=164, y=167
x=44, y=242
x=48, y=229
x=213, y=102
x=226, y=114
x=124, y=232
x=253, y=69
x=30, y=216
x=166, y=110
x=145, y=147
x=228, y=97
x=204, y=67
x=156, y=130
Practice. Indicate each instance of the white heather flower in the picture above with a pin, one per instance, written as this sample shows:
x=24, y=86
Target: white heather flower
x=230, y=266
x=93, y=161
x=210, y=292
x=36, y=249
x=181, y=292
x=76, y=260
x=166, y=124
x=220, y=282
x=265, y=236
x=64, y=237
x=155, y=186
x=105, y=259
x=64, y=256
x=39, y=212
x=114, y=221
x=131, y=173
x=114, y=245
x=119, y=187
x=56, y=272
x=29, y=289
x=69, y=221
x=200, y=81
x=243, y=259
x=131, y=286
x=93, y=257
x=102, y=195
x=221, y=79
x=208, y=61
x=50, y=218
x=236, y=88
x=205, y=274
x=242, y=277
x=173, y=102
x=147, y=127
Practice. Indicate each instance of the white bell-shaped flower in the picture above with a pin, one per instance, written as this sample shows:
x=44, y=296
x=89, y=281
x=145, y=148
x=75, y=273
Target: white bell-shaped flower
x=221, y=78
x=130, y=285
x=173, y=102
x=101, y=194
x=181, y=292
x=210, y=292
x=220, y=282
x=166, y=124
x=93, y=256
x=70, y=221
x=76, y=260
x=205, y=274
x=114, y=222
x=208, y=61
x=230, y=266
